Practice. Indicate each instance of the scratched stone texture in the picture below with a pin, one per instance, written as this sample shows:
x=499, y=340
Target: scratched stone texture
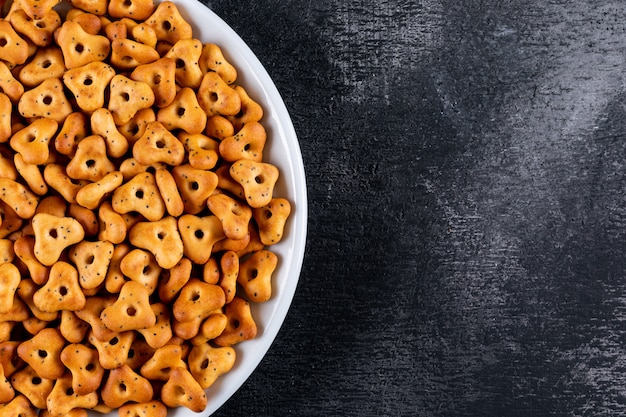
x=466, y=174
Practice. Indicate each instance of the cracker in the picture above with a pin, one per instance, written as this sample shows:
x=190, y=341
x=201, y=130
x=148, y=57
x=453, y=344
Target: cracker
x=136, y=209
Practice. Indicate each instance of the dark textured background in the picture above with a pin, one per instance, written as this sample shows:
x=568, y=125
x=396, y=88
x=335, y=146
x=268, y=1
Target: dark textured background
x=466, y=173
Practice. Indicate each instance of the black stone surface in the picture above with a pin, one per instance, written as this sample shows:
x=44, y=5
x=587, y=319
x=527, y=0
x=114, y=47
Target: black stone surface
x=466, y=171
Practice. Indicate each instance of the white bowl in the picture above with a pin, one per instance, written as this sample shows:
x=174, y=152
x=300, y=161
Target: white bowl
x=282, y=150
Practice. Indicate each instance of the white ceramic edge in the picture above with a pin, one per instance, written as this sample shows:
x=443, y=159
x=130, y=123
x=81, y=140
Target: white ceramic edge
x=283, y=150
x=287, y=156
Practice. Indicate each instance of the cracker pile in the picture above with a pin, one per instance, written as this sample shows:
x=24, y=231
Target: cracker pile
x=136, y=210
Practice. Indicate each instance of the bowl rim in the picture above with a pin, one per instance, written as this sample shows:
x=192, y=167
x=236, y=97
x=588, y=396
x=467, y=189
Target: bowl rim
x=254, y=77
